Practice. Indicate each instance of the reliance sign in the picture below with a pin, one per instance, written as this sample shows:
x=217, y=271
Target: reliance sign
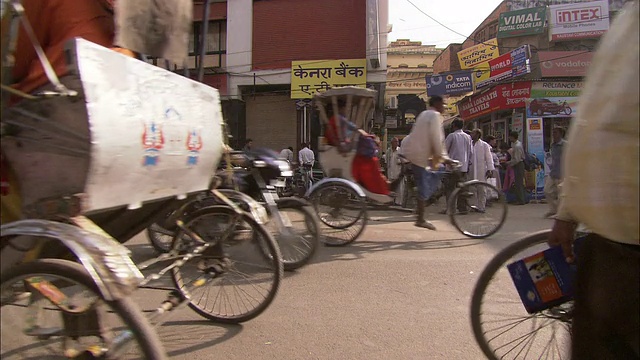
x=578, y=21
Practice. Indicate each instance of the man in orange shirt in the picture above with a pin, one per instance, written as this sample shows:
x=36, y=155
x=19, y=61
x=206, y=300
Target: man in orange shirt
x=54, y=23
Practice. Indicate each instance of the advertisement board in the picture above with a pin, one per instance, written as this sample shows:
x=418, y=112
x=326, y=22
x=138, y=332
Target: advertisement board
x=614, y=5
x=564, y=63
x=517, y=124
x=449, y=84
x=535, y=146
x=478, y=54
x=505, y=96
x=529, y=21
x=507, y=66
x=578, y=21
x=311, y=76
x=553, y=99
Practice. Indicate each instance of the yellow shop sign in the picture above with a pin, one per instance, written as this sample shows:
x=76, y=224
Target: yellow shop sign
x=312, y=76
x=476, y=55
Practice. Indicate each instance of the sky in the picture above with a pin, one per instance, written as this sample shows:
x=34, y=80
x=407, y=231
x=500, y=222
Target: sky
x=463, y=16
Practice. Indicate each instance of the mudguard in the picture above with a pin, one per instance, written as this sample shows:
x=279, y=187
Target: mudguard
x=107, y=261
x=355, y=187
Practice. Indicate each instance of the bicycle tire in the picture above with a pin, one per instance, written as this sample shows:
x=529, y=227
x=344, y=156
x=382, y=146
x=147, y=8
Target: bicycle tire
x=497, y=262
x=459, y=221
x=275, y=260
x=127, y=310
x=313, y=227
x=158, y=238
x=361, y=204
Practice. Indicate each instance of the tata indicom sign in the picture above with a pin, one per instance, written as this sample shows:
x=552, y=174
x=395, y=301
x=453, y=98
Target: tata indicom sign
x=578, y=21
x=564, y=63
x=449, y=84
x=522, y=22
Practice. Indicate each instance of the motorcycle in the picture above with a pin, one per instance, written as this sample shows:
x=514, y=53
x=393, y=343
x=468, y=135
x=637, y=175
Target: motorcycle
x=262, y=177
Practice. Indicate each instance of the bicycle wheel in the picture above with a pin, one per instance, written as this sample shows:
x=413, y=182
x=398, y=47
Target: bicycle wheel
x=502, y=327
x=300, y=241
x=342, y=212
x=232, y=269
x=73, y=316
x=338, y=206
x=160, y=238
x=477, y=209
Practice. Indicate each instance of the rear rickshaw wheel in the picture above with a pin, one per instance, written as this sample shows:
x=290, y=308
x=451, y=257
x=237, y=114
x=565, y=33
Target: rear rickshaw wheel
x=342, y=212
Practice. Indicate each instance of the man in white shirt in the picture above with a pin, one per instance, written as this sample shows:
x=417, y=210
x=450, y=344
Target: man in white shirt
x=458, y=146
x=287, y=154
x=517, y=162
x=306, y=156
x=394, y=167
x=601, y=191
x=424, y=148
x=481, y=166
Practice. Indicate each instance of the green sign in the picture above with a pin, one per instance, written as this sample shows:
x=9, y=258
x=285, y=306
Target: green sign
x=522, y=22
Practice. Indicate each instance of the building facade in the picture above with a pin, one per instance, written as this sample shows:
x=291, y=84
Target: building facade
x=249, y=58
x=548, y=91
x=260, y=53
x=408, y=64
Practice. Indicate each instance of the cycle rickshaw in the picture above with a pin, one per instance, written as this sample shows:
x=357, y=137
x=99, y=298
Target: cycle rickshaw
x=341, y=203
x=100, y=155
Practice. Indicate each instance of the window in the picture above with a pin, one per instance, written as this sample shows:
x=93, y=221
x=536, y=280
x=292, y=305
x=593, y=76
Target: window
x=215, y=41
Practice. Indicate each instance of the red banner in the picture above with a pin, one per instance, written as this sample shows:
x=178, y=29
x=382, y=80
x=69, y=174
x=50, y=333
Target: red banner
x=506, y=96
x=500, y=65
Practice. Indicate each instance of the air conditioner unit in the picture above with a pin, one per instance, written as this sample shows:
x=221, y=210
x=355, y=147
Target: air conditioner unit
x=393, y=102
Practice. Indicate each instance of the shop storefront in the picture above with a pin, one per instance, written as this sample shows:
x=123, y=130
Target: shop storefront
x=497, y=109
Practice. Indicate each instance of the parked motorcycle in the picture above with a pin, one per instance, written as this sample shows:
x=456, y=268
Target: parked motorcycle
x=262, y=176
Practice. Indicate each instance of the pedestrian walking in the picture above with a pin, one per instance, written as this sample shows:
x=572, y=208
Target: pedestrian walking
x=554, y=180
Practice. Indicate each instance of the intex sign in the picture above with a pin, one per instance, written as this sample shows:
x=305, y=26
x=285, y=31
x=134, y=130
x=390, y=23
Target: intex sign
x=578, y=21
x=570, y=16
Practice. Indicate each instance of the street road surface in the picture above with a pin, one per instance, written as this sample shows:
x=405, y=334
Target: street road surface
x=398, y=292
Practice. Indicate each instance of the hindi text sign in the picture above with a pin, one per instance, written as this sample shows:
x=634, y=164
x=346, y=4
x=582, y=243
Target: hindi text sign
x=478, y=54
x=312, y=76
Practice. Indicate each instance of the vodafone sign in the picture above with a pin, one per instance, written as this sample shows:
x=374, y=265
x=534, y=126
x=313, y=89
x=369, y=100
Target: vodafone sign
x=564, y=63
x=578, y=21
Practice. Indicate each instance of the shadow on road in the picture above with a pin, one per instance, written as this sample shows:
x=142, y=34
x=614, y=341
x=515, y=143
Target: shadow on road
x=183, y=337
x=360, y=248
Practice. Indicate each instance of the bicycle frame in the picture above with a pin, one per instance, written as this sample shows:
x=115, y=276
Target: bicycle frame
x=107, y=261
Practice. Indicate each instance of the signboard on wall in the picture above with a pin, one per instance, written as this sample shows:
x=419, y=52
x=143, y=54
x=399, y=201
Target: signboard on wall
x=564, y=63
x=535, y=146
x=505, y=96
x=507, y=66
x=522, y=22
x=517, y=124
x=578, y=21
x=312, y=76
x=614, y=5
x=553, y=99
x=449, y=84
x=478, y=54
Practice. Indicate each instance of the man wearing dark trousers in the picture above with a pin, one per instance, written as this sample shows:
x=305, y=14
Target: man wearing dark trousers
x=600, y=191
x=517, y=162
